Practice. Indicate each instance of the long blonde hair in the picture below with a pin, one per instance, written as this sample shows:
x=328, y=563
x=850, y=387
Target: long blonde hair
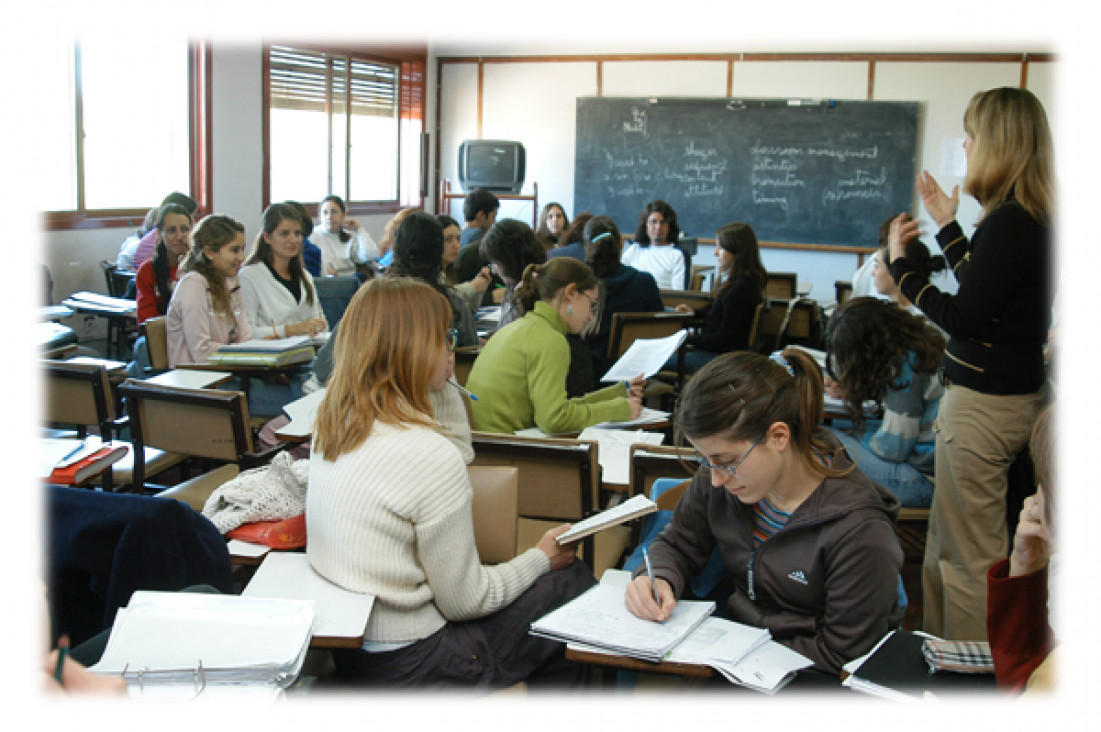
x=215, y=232
x=386, y=347
x=1012, y=155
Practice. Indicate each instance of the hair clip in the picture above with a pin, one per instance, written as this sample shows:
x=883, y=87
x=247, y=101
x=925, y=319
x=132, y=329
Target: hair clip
x=598, y=237
x=779, y=358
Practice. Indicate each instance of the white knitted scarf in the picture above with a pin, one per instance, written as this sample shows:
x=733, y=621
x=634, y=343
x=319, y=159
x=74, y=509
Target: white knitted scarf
x=269, y=493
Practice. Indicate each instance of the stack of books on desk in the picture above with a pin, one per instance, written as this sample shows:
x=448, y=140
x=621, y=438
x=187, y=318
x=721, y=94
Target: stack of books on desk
x=189, y=643
x=71, y=462
x=265, y=352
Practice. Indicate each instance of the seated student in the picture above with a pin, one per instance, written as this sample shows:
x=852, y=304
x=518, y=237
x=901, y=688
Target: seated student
x=389, y=513
x=125, y=259
x=311, y=253
x=157, y=277
x=510, y=246
x=386, y=243
x=553, y=225
x=574, y=240
x=624, y=288
x=280, y=299
x=207, y=309
x=863, y=283
x=480, y=212
x=520, y=375
x=1018, y=601
x=876, y=351
x=471, y=291
x=342, y=241
x=653, y=251
x=418, y=253
x=808, y=540
x=148, y=243
x=730, y=316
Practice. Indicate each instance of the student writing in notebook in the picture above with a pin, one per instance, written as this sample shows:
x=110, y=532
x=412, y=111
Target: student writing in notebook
x=807, y=540
x=389, y=513
x=520, y=375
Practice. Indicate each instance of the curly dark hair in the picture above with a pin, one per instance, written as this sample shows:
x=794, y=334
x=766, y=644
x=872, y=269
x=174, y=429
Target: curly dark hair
x=668, y=215
x=868, y=341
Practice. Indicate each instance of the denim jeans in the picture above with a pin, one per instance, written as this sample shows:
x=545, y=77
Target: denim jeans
x=912, y=487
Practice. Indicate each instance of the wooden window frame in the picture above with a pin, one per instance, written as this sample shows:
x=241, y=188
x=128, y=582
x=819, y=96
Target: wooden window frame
x=200, y=156
x=412, y=61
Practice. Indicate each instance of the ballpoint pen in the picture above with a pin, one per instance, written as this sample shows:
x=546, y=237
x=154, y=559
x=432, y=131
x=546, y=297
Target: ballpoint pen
x=650, y=574
x=464, y=391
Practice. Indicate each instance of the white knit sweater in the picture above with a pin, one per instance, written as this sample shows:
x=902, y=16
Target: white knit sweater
x=392, y=518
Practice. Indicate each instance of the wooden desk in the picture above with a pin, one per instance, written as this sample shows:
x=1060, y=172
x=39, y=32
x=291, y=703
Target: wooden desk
x=626, y=663
x=341, y=616
x=245, y=371
x=121, y=315
x=191, y=378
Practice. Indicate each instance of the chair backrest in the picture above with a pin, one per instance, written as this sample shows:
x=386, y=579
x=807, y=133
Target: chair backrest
x=334, y=294
x=559, y=479
x=843, y=291
x=109, y=274
x=464, y=362
x=207, y=423
x=697, y=281
x=80, y=395
x=495, y=509
x=784, y=321
x=156, y=340
x=651, y=462
x=781, y=284
x=628, y=327
x=755, y=326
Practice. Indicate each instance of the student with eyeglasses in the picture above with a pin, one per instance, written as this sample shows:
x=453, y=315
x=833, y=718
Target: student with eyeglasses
x=389, y=514
x=807, y=540
x=520, y=374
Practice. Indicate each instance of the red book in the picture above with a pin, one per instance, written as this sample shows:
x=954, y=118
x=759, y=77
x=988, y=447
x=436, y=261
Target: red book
x=90, y=466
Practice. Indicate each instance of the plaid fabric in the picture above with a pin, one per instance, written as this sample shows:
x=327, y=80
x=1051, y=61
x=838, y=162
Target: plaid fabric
x=964, y=657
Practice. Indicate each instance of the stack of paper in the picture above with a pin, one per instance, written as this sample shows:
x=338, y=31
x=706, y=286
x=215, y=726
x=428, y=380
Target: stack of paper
x=265, y=352
x=186, y=642
x=93, y=300
x=632, y=508
x=600, y=618
x=645, y=356
x=745, y=655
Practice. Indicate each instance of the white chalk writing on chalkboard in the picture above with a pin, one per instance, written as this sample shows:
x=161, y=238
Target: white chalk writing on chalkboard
x=638, y=121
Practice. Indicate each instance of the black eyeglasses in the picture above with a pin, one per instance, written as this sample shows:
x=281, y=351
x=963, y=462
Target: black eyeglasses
x=727, y=468
x=452, y=339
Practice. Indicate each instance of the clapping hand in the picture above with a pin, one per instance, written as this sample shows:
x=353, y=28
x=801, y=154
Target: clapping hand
x=939, y=205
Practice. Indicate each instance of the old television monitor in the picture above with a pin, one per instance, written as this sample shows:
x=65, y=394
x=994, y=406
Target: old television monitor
x=496, y=165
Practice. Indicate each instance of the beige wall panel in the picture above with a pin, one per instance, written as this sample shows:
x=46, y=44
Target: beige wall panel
x=817, y=79
x=664, y=79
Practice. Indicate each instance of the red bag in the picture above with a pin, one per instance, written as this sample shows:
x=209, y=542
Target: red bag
x=286, y=534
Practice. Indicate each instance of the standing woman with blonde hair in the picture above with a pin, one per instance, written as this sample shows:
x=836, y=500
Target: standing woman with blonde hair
x=389, y=514
x=997, y=323
x=207, y=310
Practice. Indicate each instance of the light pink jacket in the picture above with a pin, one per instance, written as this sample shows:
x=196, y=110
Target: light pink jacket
x=194, y=330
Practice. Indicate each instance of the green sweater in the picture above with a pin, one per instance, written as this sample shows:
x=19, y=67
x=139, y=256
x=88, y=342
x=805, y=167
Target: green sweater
x=520, y=381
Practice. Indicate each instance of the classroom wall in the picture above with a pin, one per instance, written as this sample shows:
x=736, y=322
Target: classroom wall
x=534, y=101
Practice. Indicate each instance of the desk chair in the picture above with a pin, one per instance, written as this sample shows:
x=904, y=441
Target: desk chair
x=79, y=396
x=842, y=291
x=650, y=463
x=155, y=331
x=205, y=423
x=692, y=298
x=496, y=509
x=781, y=285
x=781, y=322
x=334, y=294
x=559, y=482
x=626, y=328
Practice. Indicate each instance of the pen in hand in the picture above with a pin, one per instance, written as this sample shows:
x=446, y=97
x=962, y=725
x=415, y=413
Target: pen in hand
x=62, y=652
x=653, y=583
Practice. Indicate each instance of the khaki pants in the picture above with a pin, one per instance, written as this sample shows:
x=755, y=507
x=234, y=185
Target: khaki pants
x=978, y=436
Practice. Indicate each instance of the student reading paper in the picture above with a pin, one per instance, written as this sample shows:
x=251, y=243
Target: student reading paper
x=388, y=513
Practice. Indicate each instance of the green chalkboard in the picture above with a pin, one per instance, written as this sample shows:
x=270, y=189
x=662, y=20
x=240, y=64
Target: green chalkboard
x=814, y=172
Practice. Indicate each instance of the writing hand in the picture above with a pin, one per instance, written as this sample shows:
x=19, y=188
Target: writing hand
x=940, y=206
x=639, y=599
